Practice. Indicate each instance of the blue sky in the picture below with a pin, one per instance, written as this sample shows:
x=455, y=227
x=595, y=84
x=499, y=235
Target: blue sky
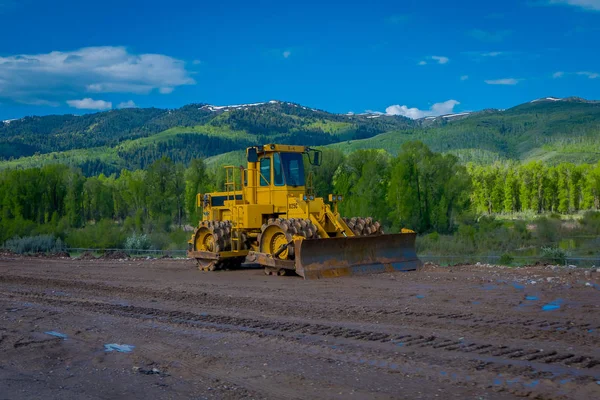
x=412, y=58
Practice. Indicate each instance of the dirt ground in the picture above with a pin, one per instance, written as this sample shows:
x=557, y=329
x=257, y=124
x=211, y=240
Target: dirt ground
x=467, y=332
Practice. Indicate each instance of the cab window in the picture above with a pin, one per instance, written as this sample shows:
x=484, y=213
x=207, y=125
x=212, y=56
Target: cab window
x=277, y=171
x=293, y=168
x=265, y=172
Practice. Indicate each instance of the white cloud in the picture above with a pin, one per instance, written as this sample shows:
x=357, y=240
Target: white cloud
x=286, y=54
x=492, y=54
x=197, y=62
x=90, y=104
x=464, y=77
x=588, y=74
x=447, y=107
x=591, y=75
x=438, y=59
x=127, y=104
x=593, y=5
x=166, y=90
x=56, y=75
x=505, y=81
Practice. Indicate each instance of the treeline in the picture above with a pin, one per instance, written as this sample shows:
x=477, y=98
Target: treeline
x=418, y=189
x=101, y=211
x=511, y=187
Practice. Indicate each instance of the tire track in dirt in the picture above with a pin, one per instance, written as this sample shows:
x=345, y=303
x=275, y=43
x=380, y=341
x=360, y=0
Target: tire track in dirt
x=523, y=327
x=487, y=355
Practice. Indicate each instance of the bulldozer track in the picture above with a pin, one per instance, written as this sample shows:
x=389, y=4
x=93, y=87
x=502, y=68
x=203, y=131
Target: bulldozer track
x=468, y=321
x=490, y=356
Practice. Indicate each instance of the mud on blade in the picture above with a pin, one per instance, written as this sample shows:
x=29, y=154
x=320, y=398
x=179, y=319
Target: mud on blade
x=333, y=257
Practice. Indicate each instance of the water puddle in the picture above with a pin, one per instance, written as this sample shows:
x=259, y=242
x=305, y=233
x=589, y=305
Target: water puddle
x=531, y=298
x=121, y=348
x=420, y=296
x=553, y=305
x=57, y=334
x=531, y=384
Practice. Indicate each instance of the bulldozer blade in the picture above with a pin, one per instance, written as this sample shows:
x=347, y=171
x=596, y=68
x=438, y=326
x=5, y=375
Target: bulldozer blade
x=345, y=256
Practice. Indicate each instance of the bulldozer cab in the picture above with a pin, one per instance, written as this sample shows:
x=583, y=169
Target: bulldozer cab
x=277, y=171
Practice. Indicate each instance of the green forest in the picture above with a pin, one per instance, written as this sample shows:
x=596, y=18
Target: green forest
x=509, y=207
x=554, y=132
x=107, y=142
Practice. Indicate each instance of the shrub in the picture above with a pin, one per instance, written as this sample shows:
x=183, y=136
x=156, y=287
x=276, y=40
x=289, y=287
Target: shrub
x=179, y=239
x=138, y=242
x=554, y=254
x=103, y=235
x=160, y=240
x=506, y=259
x=591, y=222
x=434, y=237
x=35, y=244
x=547, y=231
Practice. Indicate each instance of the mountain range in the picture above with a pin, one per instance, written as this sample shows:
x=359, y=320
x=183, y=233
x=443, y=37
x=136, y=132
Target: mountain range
x=549, y=129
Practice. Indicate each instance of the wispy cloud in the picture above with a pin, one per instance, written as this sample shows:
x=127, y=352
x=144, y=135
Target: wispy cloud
x=588, y=74
x=446, y=107
x=591, y=75
x=504, y=81
x=440, y=59
x=127, y=104
x=464, y=77
x=590, y=5
x=492, y=54
x=286, y=54
x=90, y=104
x=488, y=36
x=435, y=60
x=59, y=74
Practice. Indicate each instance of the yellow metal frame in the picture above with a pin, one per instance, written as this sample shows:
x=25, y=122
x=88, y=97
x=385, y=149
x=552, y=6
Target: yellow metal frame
x=248, y=205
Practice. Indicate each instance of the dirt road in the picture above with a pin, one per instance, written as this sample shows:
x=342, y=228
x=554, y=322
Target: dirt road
x=470, y=332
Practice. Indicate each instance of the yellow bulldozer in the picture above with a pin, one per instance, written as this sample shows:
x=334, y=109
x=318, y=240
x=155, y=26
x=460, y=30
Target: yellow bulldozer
x=269, y=215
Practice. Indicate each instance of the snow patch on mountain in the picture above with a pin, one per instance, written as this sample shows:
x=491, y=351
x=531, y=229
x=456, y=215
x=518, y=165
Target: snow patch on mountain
x=546, y=99
x=455, y=115
x=234, y=106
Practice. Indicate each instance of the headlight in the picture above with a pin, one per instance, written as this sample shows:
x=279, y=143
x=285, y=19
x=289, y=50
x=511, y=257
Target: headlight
x=312, y=197
x=339, y=198
x=305, y=197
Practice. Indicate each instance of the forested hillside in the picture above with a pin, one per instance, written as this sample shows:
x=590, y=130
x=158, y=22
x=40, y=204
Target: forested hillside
x=109, y=141
x=554, y=131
